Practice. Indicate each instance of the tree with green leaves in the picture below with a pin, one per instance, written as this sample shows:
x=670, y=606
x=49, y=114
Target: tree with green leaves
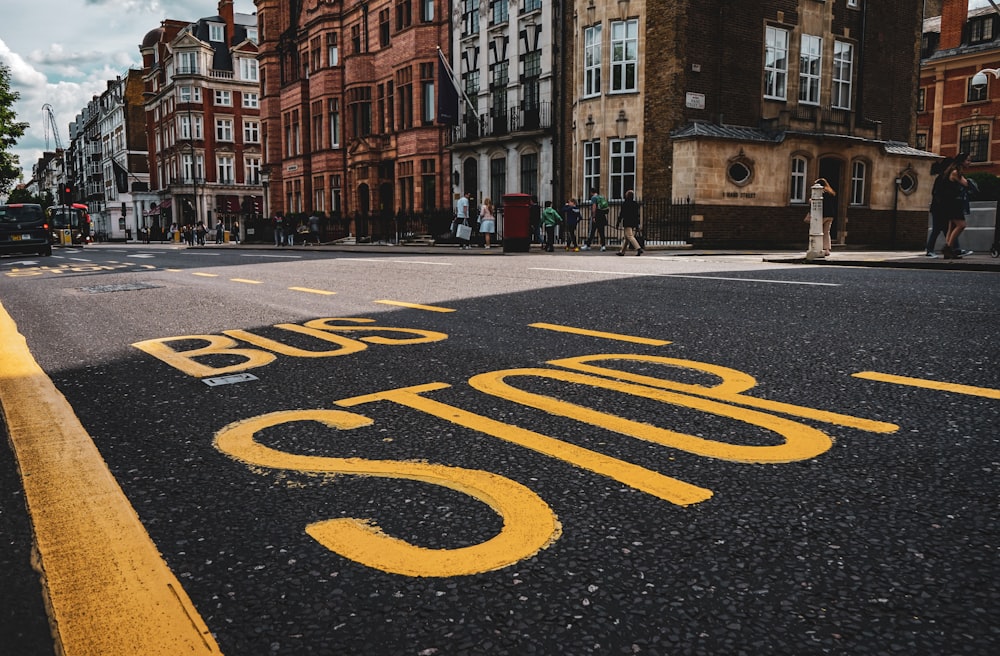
x=10, y=132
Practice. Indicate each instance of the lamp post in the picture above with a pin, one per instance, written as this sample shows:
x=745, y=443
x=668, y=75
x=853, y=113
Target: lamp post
x=265, y=179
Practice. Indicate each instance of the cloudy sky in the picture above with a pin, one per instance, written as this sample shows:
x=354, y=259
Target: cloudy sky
x=63, y=52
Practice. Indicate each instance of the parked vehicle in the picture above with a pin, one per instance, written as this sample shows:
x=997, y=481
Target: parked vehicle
x=24, y=229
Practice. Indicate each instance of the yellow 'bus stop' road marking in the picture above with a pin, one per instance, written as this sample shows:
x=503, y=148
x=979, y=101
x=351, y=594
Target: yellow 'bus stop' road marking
x=598, y=333
x=987, y=392
x=416, y=306
x=107, y=588
x=312, y=291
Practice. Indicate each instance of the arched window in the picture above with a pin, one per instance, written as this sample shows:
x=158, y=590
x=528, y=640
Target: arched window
x=859, y=182
x=798, y=180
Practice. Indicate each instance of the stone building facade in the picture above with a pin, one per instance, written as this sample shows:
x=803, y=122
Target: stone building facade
x=349, y=102
x=504, y=63
x=739, y=107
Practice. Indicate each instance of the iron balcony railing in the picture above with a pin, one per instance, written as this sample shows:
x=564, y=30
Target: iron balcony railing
x=509, y=121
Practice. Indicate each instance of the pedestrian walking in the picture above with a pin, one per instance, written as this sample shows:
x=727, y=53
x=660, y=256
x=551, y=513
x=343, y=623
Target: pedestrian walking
x=571, y=219
x=550, y=219
x=947, y=203
x=234, y=236
x=628, y=218
x=219, y=232
x=314, y=229
x=599, y=208
x=278, y=224
x=487, y=220
x=461, y=217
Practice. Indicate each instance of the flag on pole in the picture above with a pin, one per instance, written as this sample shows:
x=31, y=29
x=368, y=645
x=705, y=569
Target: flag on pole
x=121, y=176
x=447, y=109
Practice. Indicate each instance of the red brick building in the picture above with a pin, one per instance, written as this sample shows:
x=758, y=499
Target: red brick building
x=203, y=118
x=953, y=115
x=349, y=111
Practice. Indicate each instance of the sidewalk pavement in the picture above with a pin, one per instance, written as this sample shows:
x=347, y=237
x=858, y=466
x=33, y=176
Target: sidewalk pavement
x=841, y=256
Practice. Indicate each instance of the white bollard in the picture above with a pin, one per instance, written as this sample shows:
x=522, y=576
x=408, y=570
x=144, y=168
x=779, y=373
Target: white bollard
x=815, y=251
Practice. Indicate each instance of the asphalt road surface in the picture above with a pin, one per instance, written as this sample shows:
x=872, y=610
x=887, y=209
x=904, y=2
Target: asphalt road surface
x=288, y=452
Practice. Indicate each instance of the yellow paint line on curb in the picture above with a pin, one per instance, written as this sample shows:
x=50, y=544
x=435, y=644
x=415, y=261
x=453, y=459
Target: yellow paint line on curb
x=987, y=392
x=108, y=590
x=312, y=291
x=416, y=306
x=249, y=282
x=598, y=333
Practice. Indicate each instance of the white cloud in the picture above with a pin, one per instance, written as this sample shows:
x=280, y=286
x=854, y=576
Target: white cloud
x=63, y=52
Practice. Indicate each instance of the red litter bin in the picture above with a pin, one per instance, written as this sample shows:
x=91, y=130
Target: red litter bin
x=516, y=223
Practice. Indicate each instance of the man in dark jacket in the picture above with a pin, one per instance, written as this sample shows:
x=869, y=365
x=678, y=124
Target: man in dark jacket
x=629, y=218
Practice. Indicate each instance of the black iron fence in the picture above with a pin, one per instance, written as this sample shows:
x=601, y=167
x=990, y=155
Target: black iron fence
x=665, y=222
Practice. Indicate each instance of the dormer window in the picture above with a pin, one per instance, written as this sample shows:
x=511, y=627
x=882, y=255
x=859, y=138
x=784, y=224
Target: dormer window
x=981, y=29
x=216, y=32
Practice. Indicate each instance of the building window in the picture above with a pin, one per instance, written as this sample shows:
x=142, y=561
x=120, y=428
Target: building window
x=356, y=39
x=921, y=140
x=223, y=98
x=383, y=28
x=251, y=170
x=252, y=34
x=498, y=12
x=225, y=169
x=251, y=132
x=404, y=17
x=249, y=69
x=810, y=69
x=187, y=63
x=531, y=5
x=223, y=129
x=428, y=105
x=216, y=32
x=427, y=11
x=404, y=85
x=498, y=88
x=921, y=99
x=498, y=177
x=974, y=93
x=591, y=165
x=332, y=53
x=317, y=126
x=621, y=158
x=853, y=3
x=740, y=170
x=333, y=107
x=624, y=55
x=592, y=61
x=859, y=173
x=980, y=29
x=776, y=64
x=360, y=108
x=251, y=100
x=186, y=125
x=529, y=174
x=189, y=94
x=188, y=168
x=798, y=182
x=843, y=71
x=531, y=87
x=975, y=140
x=470, y=17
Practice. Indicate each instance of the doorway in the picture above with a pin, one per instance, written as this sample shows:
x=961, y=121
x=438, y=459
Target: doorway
x=833, y=170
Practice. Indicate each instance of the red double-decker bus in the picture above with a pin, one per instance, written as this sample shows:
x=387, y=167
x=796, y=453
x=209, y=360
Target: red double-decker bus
x=69, y=225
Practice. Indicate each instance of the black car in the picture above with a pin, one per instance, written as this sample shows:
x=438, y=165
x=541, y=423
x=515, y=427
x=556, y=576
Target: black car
x=24, y=229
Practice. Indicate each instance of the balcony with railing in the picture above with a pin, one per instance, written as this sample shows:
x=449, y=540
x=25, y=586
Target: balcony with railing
x=509, y=122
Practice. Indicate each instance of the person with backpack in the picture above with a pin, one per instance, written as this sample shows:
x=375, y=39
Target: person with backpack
x=550, y=219
x=599, y=207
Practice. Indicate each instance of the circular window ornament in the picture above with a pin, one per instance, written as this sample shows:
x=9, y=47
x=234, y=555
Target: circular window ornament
x=740, y=171
x=907, y=182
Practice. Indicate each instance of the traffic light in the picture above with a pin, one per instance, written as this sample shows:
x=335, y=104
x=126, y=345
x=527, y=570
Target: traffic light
x=66, y=197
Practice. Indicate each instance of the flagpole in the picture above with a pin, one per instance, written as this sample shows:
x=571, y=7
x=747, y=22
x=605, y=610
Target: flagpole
x=454, y=80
